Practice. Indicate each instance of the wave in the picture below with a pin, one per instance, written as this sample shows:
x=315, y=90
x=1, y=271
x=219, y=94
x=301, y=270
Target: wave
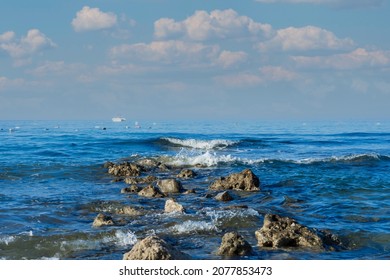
x=199, y=144
x=210, y=159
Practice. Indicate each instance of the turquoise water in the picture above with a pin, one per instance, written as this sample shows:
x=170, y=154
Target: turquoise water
x=328, y=176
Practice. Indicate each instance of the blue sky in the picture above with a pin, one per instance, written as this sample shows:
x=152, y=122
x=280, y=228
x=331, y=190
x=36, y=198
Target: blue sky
x=195, y=59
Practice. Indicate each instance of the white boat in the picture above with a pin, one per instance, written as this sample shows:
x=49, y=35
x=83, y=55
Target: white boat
x=118, y=119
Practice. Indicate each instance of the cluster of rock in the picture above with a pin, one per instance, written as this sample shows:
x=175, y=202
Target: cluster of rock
x=276, y=232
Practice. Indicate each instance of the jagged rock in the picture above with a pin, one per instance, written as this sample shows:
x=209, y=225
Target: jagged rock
x=170, y=186
x=234, y=244
x=125, y=169
x=245, y=181
x=103, y=220
x=140, y=180
x=129, y=211
x=172, y=206
x=131, y=189
x=108, y=164
x=150, y=191
x=154, y=248
x=284, y=232
x=224, y=196
x=186, y=174
x=163, y=167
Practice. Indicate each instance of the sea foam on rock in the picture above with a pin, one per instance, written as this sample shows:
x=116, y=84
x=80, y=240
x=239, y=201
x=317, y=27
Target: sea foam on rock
x=154, y=248
x=285, y=232
x=244, y=181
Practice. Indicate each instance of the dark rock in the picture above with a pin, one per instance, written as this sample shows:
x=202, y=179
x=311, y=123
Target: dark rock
x=244, y=181
x=103, y=220
x=234, y=244
x=150, y=191
x=186, y=174
x=172, y=206
x=224, y=196
x=284, y=232
x=170, y=186
x=131, y=189
x=154, y=248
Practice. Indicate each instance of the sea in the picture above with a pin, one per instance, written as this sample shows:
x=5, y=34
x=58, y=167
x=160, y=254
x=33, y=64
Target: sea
x=330, y=176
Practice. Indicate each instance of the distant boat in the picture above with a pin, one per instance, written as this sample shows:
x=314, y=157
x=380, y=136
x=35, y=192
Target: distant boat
x=118, y=119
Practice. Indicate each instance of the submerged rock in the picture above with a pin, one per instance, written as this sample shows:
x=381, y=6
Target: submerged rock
x=285, y=232
x=103, y=220
x=154, y=248
x=186, y=174
x=172, y=206
x=150, y=191
x=234, y=244
x=131, y=189
x=170, y=186
x=129, y=211
x=224, y=196
x=244, y=181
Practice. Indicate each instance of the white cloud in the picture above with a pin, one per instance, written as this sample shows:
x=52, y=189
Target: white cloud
x=277, y=73
x=35, y=41
x=203, y=25
x=356, y=59
x=6, y=83
x=228, y=58
x=333, y=3
x=304, y=39
x=172, y=51
x=88, y=19
x=7, y=36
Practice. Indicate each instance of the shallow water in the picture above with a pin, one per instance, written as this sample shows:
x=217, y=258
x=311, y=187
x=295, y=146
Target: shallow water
x=328, y=176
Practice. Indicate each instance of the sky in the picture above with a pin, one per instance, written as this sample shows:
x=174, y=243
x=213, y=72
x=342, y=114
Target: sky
x=195, y=59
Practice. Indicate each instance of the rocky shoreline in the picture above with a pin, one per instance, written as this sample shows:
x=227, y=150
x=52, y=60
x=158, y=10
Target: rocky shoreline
x=152, y=179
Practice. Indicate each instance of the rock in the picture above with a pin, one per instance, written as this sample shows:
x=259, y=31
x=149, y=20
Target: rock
x=150, y=191
x=172, y=206
x=103, y=220
x=163, y=167
x=170, y=186
x=131, y=189
x=186, y=174
x=224, y=196
x=140, y=180
x=129, y=211
x=244, y=181
x=154, y=248
x=148, y=163
x=234, y=244
x=189, y=191
x=284, y=232
x=108, y=164
x=125, y=169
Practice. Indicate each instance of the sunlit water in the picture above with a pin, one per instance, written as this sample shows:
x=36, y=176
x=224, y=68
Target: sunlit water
x=328, y=176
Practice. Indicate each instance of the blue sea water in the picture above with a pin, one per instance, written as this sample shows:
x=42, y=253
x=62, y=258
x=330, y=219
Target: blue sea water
x=327, y=176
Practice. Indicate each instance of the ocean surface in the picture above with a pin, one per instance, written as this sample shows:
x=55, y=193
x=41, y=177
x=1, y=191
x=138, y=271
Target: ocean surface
x=328, y=176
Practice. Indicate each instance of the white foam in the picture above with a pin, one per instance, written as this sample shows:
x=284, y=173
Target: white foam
x=7, y=239
x=193, y=227
x=125, y=237
x=201, y=144
x=192, y=158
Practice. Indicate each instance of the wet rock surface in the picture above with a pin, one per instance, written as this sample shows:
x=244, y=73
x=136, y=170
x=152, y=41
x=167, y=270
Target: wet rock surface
x=285, y=232
x=171, y=205
x=170, y=186
x=233, y=244
x=103, y=220
x=224, y=196
x=151, y=191
x=154, y=248
x=244, y=181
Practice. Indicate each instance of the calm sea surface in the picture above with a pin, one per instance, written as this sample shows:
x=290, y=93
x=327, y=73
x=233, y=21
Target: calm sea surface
x=328, y=176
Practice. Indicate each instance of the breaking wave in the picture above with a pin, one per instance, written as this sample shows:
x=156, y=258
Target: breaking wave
x=200, y=144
